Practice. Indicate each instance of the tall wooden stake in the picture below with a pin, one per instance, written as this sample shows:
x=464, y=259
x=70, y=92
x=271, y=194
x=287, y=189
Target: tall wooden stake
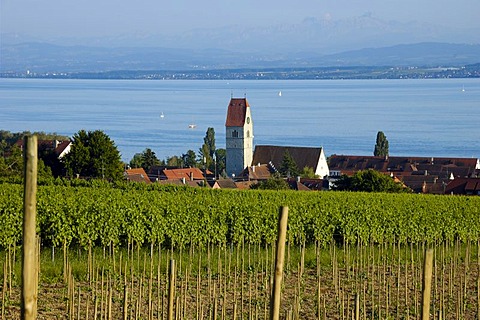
x=427, y=283
x=171, y=290
x=279, y=259
x=29, y=258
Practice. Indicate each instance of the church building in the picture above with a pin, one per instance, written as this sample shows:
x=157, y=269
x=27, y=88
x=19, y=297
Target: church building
x=239, y=136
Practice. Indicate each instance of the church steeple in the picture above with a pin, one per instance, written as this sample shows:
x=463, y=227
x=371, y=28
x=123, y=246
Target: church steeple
x=239, y=136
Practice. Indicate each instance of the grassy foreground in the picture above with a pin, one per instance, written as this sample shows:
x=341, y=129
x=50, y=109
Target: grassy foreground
x=234, y=282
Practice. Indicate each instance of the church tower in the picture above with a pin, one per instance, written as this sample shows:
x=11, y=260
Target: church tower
x=239, y=136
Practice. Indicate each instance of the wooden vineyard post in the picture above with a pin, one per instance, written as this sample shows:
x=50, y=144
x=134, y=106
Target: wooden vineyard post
x=427, y=283
x=171, y=290
x=279, y=259
x=29, y=256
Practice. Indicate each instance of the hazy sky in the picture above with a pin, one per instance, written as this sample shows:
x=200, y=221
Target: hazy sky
x=85, y=18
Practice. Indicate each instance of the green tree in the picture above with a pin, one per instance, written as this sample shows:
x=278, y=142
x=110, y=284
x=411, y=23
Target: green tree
x=369, y=181
x=308, y=172
x=93, y=154
x=220, y=156
x=12, y=165
x=175, y=161
x=288, y=167
x=136, y=161
x=145, y=160
x=272, y=183
x=51, y=160
x=190, y=159
x=207, y=151
x=381, y=145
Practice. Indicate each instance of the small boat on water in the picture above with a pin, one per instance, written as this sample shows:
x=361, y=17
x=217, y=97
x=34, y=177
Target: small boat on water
x=192, y=126
x=162, y=115
x=279, y=93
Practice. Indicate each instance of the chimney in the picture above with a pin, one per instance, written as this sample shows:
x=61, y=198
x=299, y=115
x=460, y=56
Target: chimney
x=253, y=168
x=298, y=179
x=191, y=175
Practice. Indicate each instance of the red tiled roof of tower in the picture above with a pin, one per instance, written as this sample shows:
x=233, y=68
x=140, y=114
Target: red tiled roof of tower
x=236, y=112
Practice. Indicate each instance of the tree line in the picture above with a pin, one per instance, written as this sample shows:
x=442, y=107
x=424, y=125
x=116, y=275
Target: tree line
x=94, y=155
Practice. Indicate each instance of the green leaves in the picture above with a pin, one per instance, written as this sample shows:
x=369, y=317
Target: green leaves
x=181, y=216
x=93, y=154
x=369, y=181
x=381, y=145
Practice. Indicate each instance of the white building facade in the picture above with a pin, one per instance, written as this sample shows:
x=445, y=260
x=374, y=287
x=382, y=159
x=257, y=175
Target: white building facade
x=239, y=136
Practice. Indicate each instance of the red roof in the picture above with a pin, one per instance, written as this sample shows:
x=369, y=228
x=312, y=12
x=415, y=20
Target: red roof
x=48, y=145
x=178, y=174
x=137, y=175
x=470, y=186
x=237, y=109
x=62, y=146
x=443, y=167
x=259, y=172
x=273, y=155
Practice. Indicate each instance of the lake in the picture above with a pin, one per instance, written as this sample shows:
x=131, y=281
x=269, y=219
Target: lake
x=438, y=118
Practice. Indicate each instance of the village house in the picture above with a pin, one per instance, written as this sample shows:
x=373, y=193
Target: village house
x=136, y=175
x=243, y=164
x=60, y=148
x=175, y=173
x=223, y=184
x=464, y=186
x=421, y=174
x=257, y=173
x=311, y=157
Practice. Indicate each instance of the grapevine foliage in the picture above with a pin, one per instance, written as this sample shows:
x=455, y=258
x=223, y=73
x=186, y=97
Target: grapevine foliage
x=181, y=216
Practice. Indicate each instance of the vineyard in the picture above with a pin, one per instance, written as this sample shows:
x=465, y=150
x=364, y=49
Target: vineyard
x=105, y=253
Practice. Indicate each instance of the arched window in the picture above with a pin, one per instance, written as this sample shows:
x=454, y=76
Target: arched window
x=248, y=133
x=234, y=134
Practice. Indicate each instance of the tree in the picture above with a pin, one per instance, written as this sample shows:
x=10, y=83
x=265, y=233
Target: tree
x=95, y=155
x=381, y=145
x=175, y=161
x=308, y=172
x=207, y=151
x=289, y=167
x=146, y=160
x=369, y=181
x=12, y=165
x=136, y=161
x=221, y=156
x=272, y=183
x=149, y=159
x=190, y=159
x=51, y=160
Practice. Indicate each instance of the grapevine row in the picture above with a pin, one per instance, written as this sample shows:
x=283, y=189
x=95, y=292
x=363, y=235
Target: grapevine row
x=181, y=216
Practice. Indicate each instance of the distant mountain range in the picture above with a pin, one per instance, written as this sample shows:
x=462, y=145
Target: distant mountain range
x=42, y=58
x=357, y=41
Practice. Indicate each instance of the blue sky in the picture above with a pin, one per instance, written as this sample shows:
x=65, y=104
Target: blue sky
x=90, y=18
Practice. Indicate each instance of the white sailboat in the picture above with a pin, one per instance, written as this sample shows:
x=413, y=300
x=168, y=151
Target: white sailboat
x=192, y=125
x=279, y=93
x=162, y=115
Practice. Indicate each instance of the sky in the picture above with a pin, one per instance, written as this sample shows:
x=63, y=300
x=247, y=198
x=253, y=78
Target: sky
x=94, y=18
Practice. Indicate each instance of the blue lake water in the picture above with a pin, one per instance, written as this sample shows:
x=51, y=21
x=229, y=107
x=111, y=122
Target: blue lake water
x=419, y=117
